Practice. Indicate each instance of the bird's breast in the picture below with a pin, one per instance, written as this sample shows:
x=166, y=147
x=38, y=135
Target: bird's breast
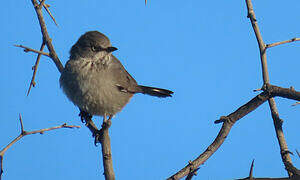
x=90, y=86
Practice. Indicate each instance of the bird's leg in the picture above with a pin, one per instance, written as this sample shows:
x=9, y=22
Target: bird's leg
x=105, y=125
x=98, y=135
x=87, y=119
x=104, y=118
x=109, y=120
x=106, y=122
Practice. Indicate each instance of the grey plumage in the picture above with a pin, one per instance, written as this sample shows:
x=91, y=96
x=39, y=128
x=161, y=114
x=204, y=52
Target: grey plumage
x=95, y=80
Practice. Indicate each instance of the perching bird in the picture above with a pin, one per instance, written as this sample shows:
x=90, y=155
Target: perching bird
x=96, y=81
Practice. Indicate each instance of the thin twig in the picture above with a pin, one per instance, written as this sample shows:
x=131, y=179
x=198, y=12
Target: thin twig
x=295, y=104
x=34, y=68
x=282, y=42
x=46, y=36
x=256, y=90
x=46, y=6
x=27, y=49
x=21, y=123
x=260, y=41
x=274, y=112
x=25, y=133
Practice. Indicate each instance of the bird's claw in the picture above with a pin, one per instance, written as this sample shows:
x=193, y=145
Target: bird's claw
x=85, y=117
x=97, y=136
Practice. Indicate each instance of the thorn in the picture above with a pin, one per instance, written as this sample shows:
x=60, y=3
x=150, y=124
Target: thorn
x=251, y=170
x=295, y=104
x=255, y=90
x=21, y=122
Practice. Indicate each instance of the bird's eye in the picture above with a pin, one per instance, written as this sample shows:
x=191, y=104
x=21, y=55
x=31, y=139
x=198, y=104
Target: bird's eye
x=93, y=48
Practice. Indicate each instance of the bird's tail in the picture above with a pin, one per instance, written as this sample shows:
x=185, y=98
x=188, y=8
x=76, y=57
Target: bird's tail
x=158, y=92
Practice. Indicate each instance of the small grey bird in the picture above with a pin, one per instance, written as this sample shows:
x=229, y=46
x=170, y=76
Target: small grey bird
x=96, y=81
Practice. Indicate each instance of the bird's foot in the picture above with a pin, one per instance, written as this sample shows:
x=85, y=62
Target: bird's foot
x=85, y=117
x=106, y=124
x=98, y=137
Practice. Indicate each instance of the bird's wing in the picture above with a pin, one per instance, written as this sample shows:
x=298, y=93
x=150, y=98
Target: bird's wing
x=123, y=80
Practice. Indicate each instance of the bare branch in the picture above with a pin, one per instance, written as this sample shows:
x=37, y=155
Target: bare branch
x=290, y=168
x=101, y=136
x=105, y=140
x=193, y=171
x=106, y=152
x=282, y=42
x=35, y=67
x=46, y=36
x=276, y=91
x=274, y=112
x=261, y=44
x=25, y=133
x=298, y=153
x=27, y=49
x=228, y=122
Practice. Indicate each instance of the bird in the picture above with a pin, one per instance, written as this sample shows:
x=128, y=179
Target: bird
x=96, y=81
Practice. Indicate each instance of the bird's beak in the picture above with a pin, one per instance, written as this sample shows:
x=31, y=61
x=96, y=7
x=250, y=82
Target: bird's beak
x=111, y=49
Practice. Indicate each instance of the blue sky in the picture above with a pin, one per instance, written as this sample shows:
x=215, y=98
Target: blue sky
x=204, y=51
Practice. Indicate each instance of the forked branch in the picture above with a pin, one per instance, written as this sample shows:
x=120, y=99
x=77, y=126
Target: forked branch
x=105, y=141
x=274, y=111
x=25, y=133
x=228, y=121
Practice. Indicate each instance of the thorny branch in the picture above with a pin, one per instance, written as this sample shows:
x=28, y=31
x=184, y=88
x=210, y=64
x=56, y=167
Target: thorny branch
x=27, y=49
x=229, y=120
x=270, y=91
x=35, y=67
x=102, y=134
x=25, y=133
x=274, y=111
x=46, y=37
x=46, y=6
